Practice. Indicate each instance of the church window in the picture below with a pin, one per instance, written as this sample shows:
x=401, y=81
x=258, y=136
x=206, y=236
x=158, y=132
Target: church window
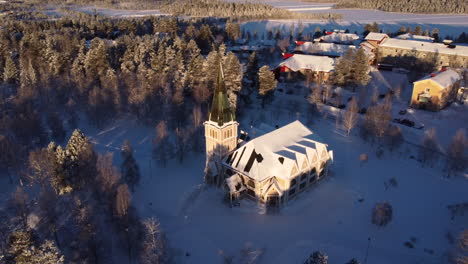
x=313, y=171
x=303, y=185
x=303, y=177
x=313, y=178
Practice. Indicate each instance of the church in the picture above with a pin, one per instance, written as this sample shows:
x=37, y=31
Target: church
x=274, y=167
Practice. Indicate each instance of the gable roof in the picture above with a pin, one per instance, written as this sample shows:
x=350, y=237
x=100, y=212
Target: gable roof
x=276, y=153
x=220, y=110
x=376, y=36
x=329, y=49
x=339, y=37
x=425, y=46
x=443, y=78
x=309, y=62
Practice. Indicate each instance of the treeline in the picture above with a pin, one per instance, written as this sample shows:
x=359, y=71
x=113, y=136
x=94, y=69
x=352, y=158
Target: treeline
x=416, y=6
x=236, y=10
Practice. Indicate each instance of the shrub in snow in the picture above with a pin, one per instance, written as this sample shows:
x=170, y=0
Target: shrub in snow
x=353, y=261
x=317, y=258
x=382, y=214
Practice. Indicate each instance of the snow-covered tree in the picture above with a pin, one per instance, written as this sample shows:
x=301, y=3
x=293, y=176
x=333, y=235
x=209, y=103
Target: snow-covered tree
x=350, y=117
x=360, y=68
x=232, y=78
x=267, y=83
x=382, y=214
x=317, y=258
x=10, y=72
x=154, y=246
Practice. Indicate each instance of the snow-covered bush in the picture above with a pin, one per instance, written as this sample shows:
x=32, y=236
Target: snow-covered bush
x=317, y=258
x=382, y=214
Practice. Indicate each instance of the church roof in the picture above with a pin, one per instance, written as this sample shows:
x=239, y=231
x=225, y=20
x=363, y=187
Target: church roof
x=278, y=153
x=220, y=110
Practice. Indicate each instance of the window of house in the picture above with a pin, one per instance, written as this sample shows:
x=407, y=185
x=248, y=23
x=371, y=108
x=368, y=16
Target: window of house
x=303, y=185
x=293, y=182
x=303, y=176
x=292, y=191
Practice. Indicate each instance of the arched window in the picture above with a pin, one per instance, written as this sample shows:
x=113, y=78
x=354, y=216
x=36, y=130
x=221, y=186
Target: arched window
x=293, y=182
x=313, y=171
x=303, y=176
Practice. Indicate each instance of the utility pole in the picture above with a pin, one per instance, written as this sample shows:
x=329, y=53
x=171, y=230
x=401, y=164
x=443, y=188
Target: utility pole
x=367, y=251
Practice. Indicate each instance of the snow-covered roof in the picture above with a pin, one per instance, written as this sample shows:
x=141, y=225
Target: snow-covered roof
x=340, y=37
x=409, y=36
x=278, y=153
x=376, y=36
x=234, y=183
x=443, y=78
x=329, y=49
x=309, y=62
x=425, y=46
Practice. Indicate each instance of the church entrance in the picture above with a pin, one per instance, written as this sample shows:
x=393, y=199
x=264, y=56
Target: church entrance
x=272, y=201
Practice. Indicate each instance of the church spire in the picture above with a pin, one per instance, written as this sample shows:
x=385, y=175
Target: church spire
x=220, y=111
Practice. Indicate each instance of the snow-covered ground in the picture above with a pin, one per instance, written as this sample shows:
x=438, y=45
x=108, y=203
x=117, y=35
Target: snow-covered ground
x=330, y=217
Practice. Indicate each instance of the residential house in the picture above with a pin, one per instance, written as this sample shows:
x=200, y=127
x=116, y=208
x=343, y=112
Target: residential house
x=436, y=90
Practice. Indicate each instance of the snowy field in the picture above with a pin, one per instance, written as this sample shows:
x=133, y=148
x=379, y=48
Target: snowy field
x=334, y=216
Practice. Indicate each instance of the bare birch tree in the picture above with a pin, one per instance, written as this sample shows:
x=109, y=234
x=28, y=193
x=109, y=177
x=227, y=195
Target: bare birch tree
x=350, y=117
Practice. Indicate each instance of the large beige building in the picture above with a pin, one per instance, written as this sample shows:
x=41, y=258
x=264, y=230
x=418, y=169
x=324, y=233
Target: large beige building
x=443, y=54
x=278, y=165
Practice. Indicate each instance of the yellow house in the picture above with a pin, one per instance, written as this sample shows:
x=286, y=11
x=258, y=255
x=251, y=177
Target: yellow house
x=435, y=91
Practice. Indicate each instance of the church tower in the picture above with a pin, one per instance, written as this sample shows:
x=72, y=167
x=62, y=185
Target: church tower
x=221, y=126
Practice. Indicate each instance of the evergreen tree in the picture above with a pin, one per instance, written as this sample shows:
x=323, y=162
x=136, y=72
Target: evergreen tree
x=318, y=32
x=267, y=84
x=96, y=62
x=10, y=72
x=232, y=78
x=418, y=30
x=251, y=73
x=233, y=31
x=360, y=68
x=435, y=35
x=317, y=258
x=47, y=253
x=130, y=169
x=343, y=68
x=19, y=244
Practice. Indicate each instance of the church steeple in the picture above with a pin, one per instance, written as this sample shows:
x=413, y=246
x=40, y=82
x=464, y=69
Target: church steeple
x=221, y=112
